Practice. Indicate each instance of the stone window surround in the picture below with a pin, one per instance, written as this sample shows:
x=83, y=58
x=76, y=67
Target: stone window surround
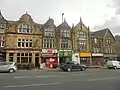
x=25, y=28
x=24, y=43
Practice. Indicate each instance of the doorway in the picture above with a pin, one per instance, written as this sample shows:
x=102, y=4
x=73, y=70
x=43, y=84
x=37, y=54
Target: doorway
x=37, y=62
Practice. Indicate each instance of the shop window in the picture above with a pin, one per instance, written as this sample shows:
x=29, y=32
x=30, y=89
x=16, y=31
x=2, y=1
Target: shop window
x=18, y=59
x=37, y=54
x=18, y=54
x=30, y=59
x=24, y=59
x=22, y=54
x=26, y=54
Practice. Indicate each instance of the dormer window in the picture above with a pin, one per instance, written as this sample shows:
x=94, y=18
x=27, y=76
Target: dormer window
x=25, y=28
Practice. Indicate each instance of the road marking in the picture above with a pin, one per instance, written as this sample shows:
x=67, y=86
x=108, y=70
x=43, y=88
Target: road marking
x=98, y=79
x=23, y=77
x=31, y=85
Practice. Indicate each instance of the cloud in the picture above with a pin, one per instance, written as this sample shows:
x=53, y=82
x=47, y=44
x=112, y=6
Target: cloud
x=114, y=22
x=93, y=12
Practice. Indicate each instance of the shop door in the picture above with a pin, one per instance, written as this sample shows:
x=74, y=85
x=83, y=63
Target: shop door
x=37, y=62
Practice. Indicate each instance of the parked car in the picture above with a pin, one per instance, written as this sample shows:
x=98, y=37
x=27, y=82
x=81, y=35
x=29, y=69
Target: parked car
x=8, y=67
x=113, y=64
x=70, y=66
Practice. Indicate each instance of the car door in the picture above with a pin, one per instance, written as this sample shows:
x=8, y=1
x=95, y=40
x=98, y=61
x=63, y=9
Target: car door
x=5, y=67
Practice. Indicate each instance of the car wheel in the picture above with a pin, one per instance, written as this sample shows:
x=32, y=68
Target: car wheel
x=83, y=69
x=69, y=69
x=11, y=70
x=115, y=67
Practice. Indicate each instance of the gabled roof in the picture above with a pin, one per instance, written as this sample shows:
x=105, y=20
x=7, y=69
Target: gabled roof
x=2, y=19
x=64, y=25
x=102, y=33
x=80, y=24
x=49, y=23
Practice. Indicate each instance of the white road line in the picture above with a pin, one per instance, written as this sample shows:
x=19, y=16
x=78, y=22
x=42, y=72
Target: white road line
x=23, y=77
x=107, y=78
x=31, y=85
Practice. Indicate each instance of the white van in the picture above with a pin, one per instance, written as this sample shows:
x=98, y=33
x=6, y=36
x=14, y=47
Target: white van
x=113, y=64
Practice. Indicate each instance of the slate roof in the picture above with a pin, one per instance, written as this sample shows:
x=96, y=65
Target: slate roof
x=64, y=25
x=2, y=19
x=100, y=33
x=49, y=23
x=80, y=24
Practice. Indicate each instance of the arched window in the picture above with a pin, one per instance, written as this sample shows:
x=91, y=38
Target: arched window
x=25, y=28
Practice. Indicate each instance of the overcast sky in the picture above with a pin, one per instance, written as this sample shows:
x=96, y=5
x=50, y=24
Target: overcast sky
x=98, y=14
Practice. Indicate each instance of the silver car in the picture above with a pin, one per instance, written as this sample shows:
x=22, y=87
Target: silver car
x=8, y=67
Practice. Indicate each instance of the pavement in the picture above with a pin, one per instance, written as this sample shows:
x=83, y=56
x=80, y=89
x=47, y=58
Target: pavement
x=91, y=79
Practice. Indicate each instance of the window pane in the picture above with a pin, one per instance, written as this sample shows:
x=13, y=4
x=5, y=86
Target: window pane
x=18, y=54
x=30, y=54
x=37, y=54
x=22, y=44
x=50, y=45
x=22, y=54
x=47, y=45
x=19, y=44
x=24, y=59
x=26, y=54
x=30, y=44
x=10, y=54
x=18, y=59
x=26, y=44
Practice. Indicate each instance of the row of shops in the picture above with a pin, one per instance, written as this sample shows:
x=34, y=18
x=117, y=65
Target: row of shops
x=52, y=58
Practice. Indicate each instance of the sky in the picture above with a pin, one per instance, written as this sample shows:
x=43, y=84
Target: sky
x=97, y=14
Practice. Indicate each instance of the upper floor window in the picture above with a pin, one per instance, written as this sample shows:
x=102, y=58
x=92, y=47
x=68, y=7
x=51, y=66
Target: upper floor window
x=2, y=28
x=65, y=33
x=65, y=44
x=95, y=40
x=49, y=43
x=81, y=36
x=108, y=41
x=49, y=32
x=25, y=28
x=2, y=41
x=25, y=43
x=82, y=45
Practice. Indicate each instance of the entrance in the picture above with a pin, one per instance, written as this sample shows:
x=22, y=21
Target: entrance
x=37, y=62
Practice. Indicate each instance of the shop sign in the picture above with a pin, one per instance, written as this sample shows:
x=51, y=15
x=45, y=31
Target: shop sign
x=47, y=54
x=85, y=54
x=49, y=50
x=65, y=53
x=97, y=54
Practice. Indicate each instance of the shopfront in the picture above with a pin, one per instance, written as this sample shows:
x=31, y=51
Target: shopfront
x=97, y=59
x=49, y=58
x=85, y=58
x=108, y=57
x=65, y=55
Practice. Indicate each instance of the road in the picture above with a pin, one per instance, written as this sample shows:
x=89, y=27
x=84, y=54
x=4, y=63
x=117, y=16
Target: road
x=91, y=79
